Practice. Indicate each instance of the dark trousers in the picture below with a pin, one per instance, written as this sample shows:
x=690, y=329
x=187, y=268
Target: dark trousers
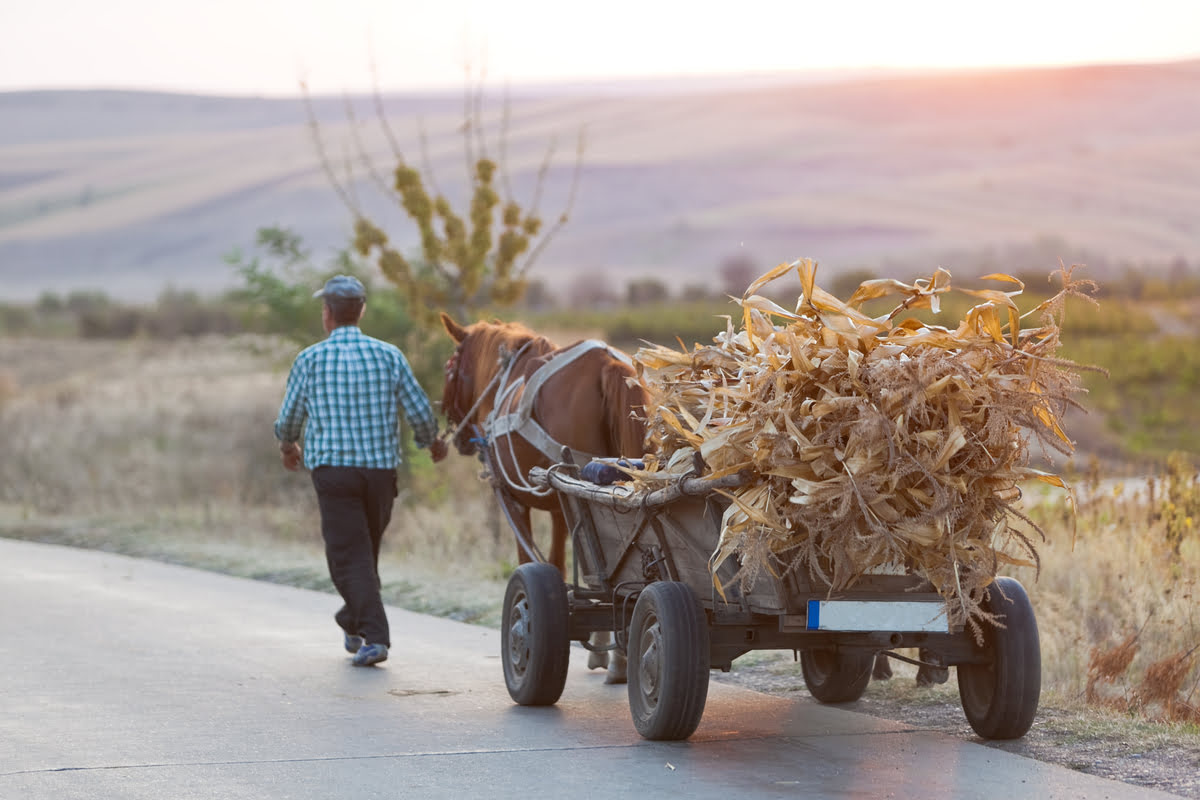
x=356, y=506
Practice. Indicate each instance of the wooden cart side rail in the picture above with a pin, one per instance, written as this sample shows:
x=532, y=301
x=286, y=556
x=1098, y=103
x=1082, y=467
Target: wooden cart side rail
x=624, y=497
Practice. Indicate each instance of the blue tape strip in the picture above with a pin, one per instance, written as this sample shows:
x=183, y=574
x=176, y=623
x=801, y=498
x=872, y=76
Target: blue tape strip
x=814, y=615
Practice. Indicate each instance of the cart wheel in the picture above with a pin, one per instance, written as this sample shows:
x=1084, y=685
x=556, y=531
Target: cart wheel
x=836, y=676
x=534, y=643
x=669, y=661
x=1000, y=697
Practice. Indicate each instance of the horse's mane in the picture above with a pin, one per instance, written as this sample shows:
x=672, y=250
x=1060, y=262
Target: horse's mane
x=487, y=338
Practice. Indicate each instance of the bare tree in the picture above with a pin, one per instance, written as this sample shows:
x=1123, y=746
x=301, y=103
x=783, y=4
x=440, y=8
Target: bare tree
x=469, y=261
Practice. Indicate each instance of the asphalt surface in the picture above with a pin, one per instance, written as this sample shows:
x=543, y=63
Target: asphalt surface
x=124, y=678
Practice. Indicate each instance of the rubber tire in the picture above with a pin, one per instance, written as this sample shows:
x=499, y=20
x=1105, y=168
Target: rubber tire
x=534, y=645
x=836, y=676
x=668, y=662
x=1000, y=698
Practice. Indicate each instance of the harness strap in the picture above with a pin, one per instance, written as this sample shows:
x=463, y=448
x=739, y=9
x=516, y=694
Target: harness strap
x=520, y=420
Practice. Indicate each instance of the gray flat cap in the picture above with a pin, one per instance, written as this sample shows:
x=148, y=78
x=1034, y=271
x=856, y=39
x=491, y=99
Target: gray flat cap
x=342, y=287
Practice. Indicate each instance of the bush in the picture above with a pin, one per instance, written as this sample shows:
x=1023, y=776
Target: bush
x=15, y=319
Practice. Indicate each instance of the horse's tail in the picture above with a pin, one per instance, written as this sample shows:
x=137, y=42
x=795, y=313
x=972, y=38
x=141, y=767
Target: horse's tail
x=625, y=408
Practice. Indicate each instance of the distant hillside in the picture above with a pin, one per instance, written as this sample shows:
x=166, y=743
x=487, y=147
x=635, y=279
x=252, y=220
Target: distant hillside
x=132, y=192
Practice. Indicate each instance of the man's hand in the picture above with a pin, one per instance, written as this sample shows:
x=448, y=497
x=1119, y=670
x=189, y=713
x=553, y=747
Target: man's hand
x=291, y=455
x=438, y=450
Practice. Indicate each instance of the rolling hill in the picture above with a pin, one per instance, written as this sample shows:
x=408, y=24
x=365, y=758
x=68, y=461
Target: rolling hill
x=132, y=192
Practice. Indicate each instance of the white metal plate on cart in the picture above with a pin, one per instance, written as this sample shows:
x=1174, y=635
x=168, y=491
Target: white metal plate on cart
x=877, y=615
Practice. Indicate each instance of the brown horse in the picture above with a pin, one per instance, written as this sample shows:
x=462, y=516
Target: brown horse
x=590, y=404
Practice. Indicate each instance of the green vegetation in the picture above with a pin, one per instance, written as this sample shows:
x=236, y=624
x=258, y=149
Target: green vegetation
x=277, y=297
x=1149, y=396
x=1149, y=347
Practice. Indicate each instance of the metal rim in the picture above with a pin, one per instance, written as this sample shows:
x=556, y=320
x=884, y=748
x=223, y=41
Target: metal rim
x=650, y=662
x=518, y=637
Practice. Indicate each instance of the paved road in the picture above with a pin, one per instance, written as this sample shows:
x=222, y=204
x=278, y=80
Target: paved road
x=124, y=678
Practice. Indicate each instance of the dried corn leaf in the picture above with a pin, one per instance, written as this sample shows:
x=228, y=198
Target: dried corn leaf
x=874, y=442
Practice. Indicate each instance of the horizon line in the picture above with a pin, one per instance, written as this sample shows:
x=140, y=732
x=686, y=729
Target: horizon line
x=650, y=81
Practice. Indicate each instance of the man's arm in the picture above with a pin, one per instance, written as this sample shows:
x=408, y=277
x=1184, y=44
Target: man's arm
x=417, y=409
x=289, y=425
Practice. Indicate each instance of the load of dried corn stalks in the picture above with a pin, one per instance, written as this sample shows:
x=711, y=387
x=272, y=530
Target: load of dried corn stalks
x=872, y=442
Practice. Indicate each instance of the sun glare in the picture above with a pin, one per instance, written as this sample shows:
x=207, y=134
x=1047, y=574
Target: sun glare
x=265, y=47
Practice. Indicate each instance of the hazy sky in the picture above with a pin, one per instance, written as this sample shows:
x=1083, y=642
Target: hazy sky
x=266, y=46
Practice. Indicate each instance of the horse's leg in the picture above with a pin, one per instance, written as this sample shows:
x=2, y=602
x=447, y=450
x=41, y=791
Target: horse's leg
x=928, y=676
x=614, y=660
x=601, y=657
x=883, y=668
x=617, y=665
x=521, y=518
x=598, y=658
x=558, y=541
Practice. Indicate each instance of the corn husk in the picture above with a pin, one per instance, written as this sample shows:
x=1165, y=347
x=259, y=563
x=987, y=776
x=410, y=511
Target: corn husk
x=873, y=441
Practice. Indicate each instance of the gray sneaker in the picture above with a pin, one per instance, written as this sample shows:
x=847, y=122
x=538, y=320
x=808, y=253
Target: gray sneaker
x=353, y=643
x=370, y=654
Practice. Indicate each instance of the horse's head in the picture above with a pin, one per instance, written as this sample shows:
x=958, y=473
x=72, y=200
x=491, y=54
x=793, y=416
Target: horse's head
x=457, y=391
x=469, y=391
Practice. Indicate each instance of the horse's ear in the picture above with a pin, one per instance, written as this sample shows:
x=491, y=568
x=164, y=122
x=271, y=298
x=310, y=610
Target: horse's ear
x=456, y=331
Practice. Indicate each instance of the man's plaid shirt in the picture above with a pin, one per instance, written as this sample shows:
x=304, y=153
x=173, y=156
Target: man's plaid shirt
x=350, y=388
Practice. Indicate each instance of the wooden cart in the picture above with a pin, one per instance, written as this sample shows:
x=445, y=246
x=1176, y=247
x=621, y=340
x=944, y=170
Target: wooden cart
x=642, y=572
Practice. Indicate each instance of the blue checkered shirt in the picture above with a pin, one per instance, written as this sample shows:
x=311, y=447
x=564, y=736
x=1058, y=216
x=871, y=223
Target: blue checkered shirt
x=350, y=389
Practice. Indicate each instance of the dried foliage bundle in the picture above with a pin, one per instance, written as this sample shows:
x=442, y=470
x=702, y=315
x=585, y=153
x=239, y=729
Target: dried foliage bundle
x=1158, y=695
x=1161, y=687
x=873, y=442
x=1108, y=667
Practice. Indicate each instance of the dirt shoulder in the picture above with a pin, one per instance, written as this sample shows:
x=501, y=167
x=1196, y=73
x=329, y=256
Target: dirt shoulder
x=1097, y=742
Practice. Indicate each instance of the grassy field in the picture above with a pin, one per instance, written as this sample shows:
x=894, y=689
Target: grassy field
x=165, y=450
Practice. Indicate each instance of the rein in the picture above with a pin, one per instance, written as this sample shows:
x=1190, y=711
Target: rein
x=507, y=361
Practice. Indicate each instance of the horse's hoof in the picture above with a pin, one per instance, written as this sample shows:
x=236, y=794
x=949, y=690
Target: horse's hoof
x=616, y=671
x=882, y=670
x=932, y=675
x=597, y=660
x=932, y=672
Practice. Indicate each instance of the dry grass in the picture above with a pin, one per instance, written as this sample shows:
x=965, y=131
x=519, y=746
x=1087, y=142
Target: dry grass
x=140, y=426
x=1118, y=598
x=166, y=451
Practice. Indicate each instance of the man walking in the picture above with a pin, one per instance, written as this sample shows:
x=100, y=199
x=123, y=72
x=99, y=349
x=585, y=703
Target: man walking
x=345, y=395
